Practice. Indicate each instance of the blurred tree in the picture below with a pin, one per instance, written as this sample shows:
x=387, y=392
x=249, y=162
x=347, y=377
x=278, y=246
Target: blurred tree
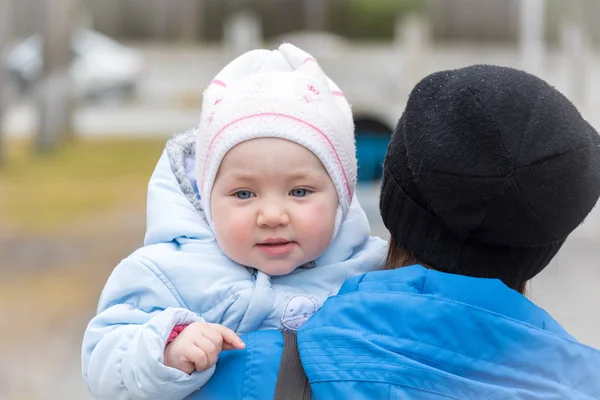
x=532, y=18
x=190, y=13
x=161, y=18
x=242, y=30
x=476, y=20
x=369, y=19
x=5, y=31
x=55, y=103
x=280, y=17
x=576, y=47
x=107, y=16
x=315, y=14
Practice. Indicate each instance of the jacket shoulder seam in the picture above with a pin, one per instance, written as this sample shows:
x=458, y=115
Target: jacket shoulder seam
x=160, y=275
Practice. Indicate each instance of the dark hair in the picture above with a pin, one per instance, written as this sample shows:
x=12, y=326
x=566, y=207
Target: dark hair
x=399, y=256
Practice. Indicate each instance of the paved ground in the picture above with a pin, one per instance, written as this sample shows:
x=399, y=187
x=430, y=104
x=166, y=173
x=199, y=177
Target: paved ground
x=49, y=288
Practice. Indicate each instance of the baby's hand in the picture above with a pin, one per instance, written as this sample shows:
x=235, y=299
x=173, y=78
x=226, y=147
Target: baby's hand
x=199, y=345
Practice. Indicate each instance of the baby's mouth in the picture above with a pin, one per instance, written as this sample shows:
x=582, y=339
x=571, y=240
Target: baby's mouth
x=276, y=247
x=274, y=242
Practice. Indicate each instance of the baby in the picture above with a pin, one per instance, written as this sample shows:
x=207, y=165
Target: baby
x=252, y=224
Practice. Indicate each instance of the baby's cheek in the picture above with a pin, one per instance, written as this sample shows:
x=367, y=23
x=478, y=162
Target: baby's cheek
x=231, y=232
x=320, y=220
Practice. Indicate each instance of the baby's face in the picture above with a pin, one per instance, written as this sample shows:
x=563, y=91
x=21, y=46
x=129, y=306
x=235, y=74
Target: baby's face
x=273, y=205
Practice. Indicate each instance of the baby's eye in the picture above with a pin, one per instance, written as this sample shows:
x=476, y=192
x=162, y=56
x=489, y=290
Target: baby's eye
x=244, y=194
x=299, y=192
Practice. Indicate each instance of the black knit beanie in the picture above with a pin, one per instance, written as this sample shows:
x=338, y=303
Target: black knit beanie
x=487, y=173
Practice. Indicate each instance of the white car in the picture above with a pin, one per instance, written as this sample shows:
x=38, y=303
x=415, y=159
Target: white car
x=99, y=66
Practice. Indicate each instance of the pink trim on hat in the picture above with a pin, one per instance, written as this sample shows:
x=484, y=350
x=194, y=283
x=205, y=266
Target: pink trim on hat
x=272, y=114
x=308, y=60
x=337, y=93
x=218, y=82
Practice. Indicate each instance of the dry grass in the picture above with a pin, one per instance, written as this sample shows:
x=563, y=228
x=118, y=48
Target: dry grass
x=71, y=216
x=73, y=204
x=88, y=177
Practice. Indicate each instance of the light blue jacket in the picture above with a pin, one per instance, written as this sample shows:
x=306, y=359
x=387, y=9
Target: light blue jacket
x=181, y=276
x=414, y=333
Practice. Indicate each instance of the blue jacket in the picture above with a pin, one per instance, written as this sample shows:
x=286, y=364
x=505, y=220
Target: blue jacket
x=181, y=276
x=249, y=374
x=414, y=333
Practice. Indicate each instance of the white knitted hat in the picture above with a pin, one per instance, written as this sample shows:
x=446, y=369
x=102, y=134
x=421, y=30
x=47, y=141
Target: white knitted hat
x=283, y=94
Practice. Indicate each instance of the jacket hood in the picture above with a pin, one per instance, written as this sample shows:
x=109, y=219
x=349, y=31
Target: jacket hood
x=174, y=211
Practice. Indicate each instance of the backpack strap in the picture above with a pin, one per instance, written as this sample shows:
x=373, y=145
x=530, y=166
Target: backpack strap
x=292, y=383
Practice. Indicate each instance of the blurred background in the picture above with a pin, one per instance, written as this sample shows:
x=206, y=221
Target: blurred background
x=91, y=90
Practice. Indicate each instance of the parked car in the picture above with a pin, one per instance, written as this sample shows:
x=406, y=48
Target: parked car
x=99, y=66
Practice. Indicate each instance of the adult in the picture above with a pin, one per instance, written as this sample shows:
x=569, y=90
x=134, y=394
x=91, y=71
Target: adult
x=487, y=173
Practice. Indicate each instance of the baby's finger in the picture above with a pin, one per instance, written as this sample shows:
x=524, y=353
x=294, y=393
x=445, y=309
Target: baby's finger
x=231, y=340
x=198, y=357
x=210, y=349
x=214, y=336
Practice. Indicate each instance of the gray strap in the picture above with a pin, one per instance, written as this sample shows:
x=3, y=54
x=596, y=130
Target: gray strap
x=292, y=383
